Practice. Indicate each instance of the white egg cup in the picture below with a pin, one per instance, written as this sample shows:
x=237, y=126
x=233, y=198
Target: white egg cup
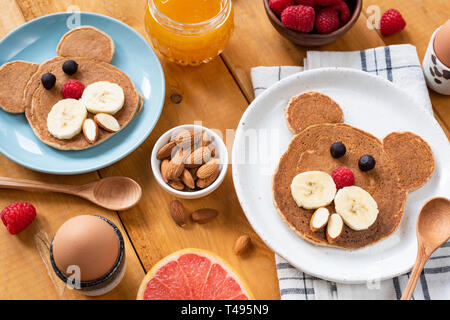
x=436, y=73
x=221, y=152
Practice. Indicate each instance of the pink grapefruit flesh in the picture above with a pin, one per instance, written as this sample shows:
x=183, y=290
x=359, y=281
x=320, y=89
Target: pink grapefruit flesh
x=192, y=274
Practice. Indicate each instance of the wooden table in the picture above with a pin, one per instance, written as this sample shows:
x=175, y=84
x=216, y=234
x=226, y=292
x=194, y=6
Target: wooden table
x=216, y=93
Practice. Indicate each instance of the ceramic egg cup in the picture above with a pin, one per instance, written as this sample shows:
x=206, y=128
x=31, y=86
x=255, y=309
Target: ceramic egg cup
x=104, y=284
x=221, y=153
x=436, y=73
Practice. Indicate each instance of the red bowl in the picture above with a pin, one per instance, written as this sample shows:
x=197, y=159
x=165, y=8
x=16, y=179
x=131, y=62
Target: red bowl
x=314, y=39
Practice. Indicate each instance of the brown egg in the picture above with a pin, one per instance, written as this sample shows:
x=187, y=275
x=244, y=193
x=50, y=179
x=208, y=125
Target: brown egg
x=442, y=44
x=88, y=242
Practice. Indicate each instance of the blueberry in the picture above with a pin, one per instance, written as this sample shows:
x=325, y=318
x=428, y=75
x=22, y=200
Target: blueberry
x=366, y=162
x=338, y=149
x=48, y=80
x=70, y=67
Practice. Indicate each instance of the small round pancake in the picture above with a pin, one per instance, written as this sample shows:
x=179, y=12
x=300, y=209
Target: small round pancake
x=89, y=71
x=412, y=157
x=310, y=150
x=88, y=42
x=13, y=79
x=312, y=108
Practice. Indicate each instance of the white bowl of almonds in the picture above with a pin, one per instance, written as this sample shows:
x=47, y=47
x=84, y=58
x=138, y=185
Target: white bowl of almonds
x=189, y=161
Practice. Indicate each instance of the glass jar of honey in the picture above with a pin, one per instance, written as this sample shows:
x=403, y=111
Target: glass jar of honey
x=189, y=32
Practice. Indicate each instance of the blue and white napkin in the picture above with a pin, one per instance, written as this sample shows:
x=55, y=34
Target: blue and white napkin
x=399, y=64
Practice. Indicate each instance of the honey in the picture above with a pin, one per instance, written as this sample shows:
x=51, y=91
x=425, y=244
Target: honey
x=189, y=32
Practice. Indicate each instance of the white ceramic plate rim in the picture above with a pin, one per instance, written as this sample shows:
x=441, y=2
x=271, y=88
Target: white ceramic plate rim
x=270, y=239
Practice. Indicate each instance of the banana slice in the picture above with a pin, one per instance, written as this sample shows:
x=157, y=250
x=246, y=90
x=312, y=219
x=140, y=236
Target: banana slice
x=66, y=118
x=356, y=207
x=313, y=189
x=103, y=97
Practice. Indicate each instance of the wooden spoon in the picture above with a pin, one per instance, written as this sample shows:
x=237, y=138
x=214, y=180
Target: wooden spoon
x=433, y=229
x=114, y=193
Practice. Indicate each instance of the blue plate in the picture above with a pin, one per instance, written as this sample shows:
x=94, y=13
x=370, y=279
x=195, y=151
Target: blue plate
x=36, y=41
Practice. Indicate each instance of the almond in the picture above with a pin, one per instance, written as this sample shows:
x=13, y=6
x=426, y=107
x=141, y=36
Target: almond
x=177, y=185
x=208, y=169
x=90, y=130
x=206, y=140
x=165, y=151
x=187, y=179
x=203, y=216
x=193, y=172
x=319, y=219
x=107, y=122
x=335, y=227
x=187, y=138
x=176, y=166
x=243, y=243
x=177, y=212
x=164, y=167
x=198, y=157
x=204, y=183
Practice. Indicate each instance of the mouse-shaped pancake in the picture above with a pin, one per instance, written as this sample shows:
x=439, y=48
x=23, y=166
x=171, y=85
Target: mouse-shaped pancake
x=92, y=50
x=403, y=162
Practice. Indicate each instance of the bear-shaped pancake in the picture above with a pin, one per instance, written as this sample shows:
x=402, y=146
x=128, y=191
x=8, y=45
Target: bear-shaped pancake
x=21, y=89
x=404, y=162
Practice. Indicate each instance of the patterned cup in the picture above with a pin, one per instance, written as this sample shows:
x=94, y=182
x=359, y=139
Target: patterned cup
x=436, y=73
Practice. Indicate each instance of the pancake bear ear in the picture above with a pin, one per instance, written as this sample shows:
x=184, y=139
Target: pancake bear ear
x=87, y=42
x=311, y=108
x=14, y=77
x=412, y=157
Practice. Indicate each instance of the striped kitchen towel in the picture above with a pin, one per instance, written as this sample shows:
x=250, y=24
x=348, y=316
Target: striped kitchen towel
x=399, y=64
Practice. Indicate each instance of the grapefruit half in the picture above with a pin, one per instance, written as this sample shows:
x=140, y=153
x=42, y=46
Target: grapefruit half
x=192, y=274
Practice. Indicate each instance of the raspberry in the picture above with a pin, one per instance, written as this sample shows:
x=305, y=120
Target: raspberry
x=327, y=21
x=309, y=3
x=18, y=216
x=343, y=177
x=391, y=22
x=327, y=3
x=278, y=6
x=299, y=18
x=72, y=89
x=344, y=12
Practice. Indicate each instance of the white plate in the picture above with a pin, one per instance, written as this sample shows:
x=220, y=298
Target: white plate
x=369, y=103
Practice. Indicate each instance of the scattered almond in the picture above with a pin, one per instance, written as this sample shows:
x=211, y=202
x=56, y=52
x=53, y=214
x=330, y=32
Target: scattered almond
x=204, y=183
x=90, y=130
x=164, y=167
x=242, y=245
x=319, y=219
x=177, y=185
x=198, y=157
x=208, y=169
x=187, y=179
x=165, y=151
x=202, y=216
x=107, y=122
x=177, y=212
x=335, y=227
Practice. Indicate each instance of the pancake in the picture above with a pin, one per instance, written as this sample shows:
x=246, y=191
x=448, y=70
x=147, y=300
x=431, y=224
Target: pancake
x=88, y=42
x=310, y=150
x=312, y=108
x=13, y=78
x=412, y=157
x=89, y=71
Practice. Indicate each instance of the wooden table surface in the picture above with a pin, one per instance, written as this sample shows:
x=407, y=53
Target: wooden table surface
x=216, y=93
